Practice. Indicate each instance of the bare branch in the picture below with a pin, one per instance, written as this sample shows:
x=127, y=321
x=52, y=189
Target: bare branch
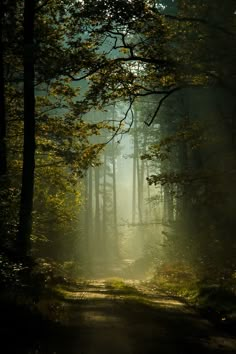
x=122, y=120
x=142, y=59
x=161, y=103
x=58, y=163
x=85, y=76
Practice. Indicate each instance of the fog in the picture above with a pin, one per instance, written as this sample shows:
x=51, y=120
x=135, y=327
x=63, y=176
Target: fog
x=155, y=197
x=122, y=216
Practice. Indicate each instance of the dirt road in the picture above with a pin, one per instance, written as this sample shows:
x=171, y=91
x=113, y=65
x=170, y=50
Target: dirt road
x=103, y=319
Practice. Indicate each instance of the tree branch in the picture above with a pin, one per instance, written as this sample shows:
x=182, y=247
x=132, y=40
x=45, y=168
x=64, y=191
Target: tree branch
x=161, y=103
x=122, y=120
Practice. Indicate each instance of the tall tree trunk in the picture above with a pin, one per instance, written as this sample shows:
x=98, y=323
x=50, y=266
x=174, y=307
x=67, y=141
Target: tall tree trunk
x=140, y=174
x=3, y=150
x=149, y=209
x=116, y=241
x=170, y=206
x=86, y=218
x=134, y=171
x=89, y=213
x=140, y=216
x=165, y=204
x=27, y=189
x=104, y=207
x=97, y=210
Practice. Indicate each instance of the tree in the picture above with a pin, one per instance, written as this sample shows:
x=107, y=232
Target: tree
x=42, y=73
x=3, y=152
x=27, y=188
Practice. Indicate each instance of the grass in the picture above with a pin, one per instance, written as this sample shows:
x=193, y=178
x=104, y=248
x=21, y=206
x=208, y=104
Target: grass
x=117, y=285
x=216, y=300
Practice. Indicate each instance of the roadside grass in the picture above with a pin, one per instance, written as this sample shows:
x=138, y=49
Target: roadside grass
x=214, y=298
x=119, y=286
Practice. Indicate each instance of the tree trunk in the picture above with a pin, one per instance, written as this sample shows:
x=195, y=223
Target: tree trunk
x=86, y=218
x=104, y=217
x=27, y=189
x=89, y=225
x=116, y=241
x=139, y=191
x=149, y=209
x=3, y=150
x=134, y=171
x=97, y=210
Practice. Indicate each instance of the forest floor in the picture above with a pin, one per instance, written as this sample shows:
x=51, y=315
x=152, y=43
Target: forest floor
x=112, y=316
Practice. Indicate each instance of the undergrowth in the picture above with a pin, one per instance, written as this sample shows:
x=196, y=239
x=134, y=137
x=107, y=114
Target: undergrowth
x=210, y=294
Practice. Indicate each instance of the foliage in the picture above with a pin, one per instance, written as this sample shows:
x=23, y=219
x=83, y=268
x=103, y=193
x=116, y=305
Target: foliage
x=63, y=140
x=11, y=272
x=177, y=279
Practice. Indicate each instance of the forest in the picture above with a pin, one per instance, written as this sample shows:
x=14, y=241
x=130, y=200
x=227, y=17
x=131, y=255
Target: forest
x=117, y=172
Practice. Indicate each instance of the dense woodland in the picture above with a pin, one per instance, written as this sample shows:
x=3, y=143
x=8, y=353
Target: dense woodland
x=78, y=80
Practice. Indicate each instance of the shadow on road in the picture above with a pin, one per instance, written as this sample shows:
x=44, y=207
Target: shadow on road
x=99, y=318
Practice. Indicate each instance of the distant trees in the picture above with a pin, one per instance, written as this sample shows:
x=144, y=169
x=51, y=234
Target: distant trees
x=174, y=54
x=92, y=56
x=194, y=141
x=99, y=219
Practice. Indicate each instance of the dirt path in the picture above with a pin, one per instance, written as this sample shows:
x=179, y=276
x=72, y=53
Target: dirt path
x=129, y=318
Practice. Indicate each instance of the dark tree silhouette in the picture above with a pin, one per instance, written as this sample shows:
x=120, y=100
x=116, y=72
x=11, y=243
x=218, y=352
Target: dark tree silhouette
x=26, y=202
